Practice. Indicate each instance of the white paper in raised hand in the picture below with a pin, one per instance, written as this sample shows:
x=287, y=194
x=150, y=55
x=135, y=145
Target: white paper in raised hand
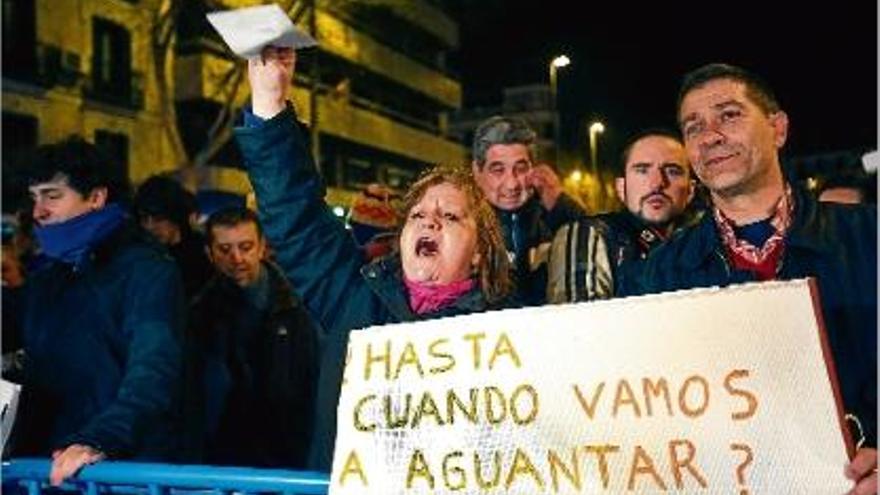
x=247, y=31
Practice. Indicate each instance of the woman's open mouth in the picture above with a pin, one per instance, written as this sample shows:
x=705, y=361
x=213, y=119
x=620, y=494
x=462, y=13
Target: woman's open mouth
x=426, y=246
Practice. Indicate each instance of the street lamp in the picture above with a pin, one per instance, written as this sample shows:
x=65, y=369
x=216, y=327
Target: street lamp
x=595, y=128
x=555, y=64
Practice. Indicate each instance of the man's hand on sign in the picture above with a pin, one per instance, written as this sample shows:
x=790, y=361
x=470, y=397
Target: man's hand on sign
x=863, y=471
x=270, y=75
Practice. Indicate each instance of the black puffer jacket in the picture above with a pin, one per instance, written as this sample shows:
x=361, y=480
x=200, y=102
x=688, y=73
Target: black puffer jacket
x=251, y=377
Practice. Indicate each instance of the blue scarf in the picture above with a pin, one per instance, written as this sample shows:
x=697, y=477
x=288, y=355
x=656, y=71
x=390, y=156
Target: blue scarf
x=72, y=240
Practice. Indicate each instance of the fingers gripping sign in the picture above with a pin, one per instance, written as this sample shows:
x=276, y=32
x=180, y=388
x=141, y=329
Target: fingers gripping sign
x=863, y=471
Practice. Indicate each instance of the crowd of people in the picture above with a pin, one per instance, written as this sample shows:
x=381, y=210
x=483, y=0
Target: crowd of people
x=137, y=336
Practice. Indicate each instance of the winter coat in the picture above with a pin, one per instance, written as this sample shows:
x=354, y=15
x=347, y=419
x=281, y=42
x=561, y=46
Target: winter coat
x=836, y=244
x=102, y=345
x=528, y=232
x=251, y=390
x=599, y=256
x=321, y=260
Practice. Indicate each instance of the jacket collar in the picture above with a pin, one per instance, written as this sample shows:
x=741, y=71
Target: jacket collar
x=384, y=276
x=281, y=295
x=805, y=232
x=530, y=209
x=283, y=298
x=127, y=233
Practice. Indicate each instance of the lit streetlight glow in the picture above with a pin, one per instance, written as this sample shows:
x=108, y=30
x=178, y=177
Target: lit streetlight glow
x=595, y=129
x=555, y=64
x=560, y=61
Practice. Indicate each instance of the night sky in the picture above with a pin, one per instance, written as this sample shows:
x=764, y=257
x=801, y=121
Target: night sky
x=628, y=58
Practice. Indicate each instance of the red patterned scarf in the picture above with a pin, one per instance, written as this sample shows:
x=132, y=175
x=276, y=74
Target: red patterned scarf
x=763, y=261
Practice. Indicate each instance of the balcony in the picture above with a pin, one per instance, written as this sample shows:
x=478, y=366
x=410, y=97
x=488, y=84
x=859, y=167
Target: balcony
x=345, y=42
x=342, y=40
x=417, y=12
x=200, y=77
x=369, y=127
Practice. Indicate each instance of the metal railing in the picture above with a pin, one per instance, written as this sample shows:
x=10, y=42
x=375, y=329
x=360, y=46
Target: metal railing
x=31, y=476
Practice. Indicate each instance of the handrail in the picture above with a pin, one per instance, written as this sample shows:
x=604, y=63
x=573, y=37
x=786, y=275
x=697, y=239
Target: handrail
x=155, y=477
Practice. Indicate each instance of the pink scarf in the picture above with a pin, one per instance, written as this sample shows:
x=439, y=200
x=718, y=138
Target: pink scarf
x=428, y=298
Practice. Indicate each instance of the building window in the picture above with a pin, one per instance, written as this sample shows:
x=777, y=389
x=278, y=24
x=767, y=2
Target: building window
x=399, y=178
x=111, y=62
x=19, y=39
x=20, y=133
x=115, y=146
x=358, y=173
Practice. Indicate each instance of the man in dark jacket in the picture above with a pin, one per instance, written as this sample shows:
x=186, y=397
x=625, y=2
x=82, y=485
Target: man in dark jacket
x=167, y=210
x=527, y=198
x=761, y=228
x=101, y=323
x=595, y=257
x=255, y=363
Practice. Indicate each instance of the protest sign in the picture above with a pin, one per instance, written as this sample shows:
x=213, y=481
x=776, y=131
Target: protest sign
x=702, y=391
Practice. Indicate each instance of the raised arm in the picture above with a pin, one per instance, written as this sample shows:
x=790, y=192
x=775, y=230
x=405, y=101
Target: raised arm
x=311, y=244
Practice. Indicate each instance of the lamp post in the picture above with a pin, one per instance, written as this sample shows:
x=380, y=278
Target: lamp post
x=555, y=64
x=595, y=129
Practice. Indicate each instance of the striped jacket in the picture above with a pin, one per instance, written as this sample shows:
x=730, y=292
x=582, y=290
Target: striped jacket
x=599, y=256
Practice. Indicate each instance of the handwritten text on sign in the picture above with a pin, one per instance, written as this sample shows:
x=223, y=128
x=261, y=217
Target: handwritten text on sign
x=707, y=391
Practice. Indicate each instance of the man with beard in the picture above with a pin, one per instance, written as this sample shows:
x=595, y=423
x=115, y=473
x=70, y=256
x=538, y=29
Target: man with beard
x=594, y=257
x=761, y=227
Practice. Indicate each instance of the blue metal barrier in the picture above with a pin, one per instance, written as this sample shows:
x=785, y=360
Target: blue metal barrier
x=31, y=476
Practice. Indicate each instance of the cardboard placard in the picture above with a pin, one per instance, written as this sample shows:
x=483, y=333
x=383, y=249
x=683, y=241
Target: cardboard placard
x=701, y=391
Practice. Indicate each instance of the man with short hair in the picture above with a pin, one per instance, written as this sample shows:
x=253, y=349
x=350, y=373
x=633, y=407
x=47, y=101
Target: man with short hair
x=101, y=323
x=527, y=198
x=762, y=228
x=595, y=257
x=167, y=211
x=254, y=347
